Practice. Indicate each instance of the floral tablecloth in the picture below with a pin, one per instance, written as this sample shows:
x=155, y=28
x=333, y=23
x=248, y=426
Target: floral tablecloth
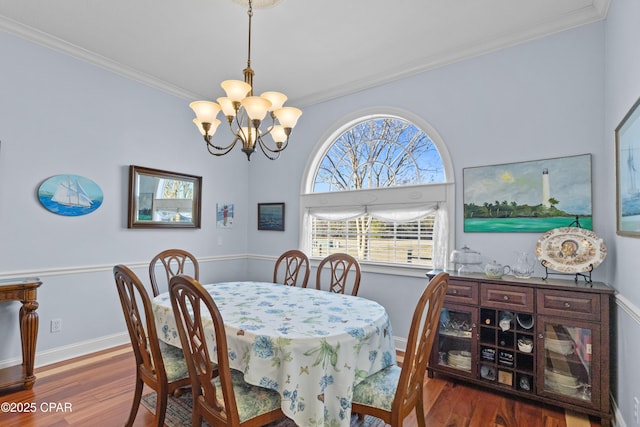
x=311, y=346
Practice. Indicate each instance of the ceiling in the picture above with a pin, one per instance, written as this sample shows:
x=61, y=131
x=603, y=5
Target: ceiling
x=312, y=50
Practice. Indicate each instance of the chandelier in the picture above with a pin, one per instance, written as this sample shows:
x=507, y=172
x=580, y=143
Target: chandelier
x=246, y=113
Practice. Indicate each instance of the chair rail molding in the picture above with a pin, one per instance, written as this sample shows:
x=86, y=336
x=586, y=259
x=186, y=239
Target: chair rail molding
x=68, y=271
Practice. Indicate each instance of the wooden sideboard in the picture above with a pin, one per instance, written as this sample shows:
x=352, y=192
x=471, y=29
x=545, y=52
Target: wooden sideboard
x=25, y=291
x=543, y=340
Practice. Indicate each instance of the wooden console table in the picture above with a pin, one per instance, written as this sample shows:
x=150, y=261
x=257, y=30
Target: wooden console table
x=25, y=291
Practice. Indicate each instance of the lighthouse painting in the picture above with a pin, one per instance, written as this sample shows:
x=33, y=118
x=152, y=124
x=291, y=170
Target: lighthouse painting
x=528, y=197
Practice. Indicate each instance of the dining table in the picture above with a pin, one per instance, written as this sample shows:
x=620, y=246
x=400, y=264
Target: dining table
x=311, y=346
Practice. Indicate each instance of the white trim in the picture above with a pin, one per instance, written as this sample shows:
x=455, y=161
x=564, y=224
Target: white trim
x=419, y=271
x=329, y=136
x=71, y=351
x=628, y=307
x=596, y=11
x=400, y=343
x=414, y=193
x=59, y=45
x=634, y=313
x=66, y=271
x=593, y=12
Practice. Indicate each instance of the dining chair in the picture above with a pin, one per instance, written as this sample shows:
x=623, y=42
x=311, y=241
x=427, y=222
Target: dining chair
x=391, y=394
x=174, y=262
x=339, y=266
x=227, y=400
x=292, y=262
x=159, y=365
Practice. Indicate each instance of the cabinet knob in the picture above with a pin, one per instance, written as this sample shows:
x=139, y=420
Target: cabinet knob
x=454, y=291
x=505, y=297
x=567, y=305
x=540, y=336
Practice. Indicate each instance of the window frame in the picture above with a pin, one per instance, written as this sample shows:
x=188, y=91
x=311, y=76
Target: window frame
x=407, y=195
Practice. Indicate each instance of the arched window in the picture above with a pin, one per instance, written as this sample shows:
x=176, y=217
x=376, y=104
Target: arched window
x=379, y=187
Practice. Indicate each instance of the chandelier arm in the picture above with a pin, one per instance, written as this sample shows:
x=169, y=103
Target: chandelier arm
x=264, y=149
x=273, y=123
x=212, y=145
x=221, y=150
x=238, y=121
x=265, y=146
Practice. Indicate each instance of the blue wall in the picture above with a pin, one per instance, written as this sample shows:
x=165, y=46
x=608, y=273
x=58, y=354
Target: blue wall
x=557, y=96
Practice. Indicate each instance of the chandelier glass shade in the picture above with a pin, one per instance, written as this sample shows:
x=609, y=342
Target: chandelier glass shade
x=250, y=118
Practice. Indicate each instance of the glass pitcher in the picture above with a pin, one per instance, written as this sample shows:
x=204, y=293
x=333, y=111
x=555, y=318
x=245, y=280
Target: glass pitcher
x=523, y=267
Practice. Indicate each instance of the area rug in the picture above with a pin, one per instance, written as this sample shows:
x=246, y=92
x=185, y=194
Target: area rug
x=179, y=413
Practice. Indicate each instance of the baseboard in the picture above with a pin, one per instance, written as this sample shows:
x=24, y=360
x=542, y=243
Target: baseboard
x=400, y=343
x=60, y=354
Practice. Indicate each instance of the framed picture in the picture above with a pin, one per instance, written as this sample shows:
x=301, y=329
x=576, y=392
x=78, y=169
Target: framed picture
x=70, y=195
x=224, y=215
x=271, y=216
x=627, y=173
x=528, y=197
x=163, y=199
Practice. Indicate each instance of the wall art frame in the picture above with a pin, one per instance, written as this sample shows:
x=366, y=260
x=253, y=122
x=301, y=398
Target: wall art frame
x=225, y=213
x=70, y=195
x=627, y=148
x=271, y=216
x=163, y=199
x=528, y=197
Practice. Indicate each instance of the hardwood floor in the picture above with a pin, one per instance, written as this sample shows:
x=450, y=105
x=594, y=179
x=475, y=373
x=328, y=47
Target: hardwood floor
x=96, y=391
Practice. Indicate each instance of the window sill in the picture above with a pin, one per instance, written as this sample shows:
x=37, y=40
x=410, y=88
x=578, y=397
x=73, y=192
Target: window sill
x=418, y=270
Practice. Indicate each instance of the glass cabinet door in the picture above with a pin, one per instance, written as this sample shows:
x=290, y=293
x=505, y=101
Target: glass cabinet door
x=568, y=363
x=455, y=344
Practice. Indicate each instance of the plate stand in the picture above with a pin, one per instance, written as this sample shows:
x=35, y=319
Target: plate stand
x=586, y=275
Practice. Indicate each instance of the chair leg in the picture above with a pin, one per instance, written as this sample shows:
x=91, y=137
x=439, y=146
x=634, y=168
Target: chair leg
x=136, y=401
x=161, y=405
x=196, y=419
x=420, y=411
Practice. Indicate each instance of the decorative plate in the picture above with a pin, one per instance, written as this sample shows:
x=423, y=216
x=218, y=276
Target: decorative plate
x=571, y=250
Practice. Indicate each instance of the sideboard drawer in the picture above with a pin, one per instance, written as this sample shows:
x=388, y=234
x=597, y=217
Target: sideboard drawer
x=569, y=304
x=462, y=292
x=507, y=297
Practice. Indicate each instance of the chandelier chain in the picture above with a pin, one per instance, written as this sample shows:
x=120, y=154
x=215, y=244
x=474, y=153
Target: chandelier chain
x=250, y=14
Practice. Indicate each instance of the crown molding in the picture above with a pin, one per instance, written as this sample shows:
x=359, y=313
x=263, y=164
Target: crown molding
x=47, y=40
x=597, y=10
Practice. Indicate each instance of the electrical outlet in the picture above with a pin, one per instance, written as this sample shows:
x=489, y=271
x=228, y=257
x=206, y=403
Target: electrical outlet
x=56, y=325
x=636, y=416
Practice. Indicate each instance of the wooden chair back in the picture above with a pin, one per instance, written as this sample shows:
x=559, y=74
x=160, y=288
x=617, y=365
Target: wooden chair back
x=150, y=367
x=174, y=262
x=190, y=302
x=340, y=265
x=409, y=390
x=292, y=262
x=424, y=327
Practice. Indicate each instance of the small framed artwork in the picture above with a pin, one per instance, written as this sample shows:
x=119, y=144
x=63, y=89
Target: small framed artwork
x=224, y=215
x=70, y=195
x=271, y=216
x=627, y=173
